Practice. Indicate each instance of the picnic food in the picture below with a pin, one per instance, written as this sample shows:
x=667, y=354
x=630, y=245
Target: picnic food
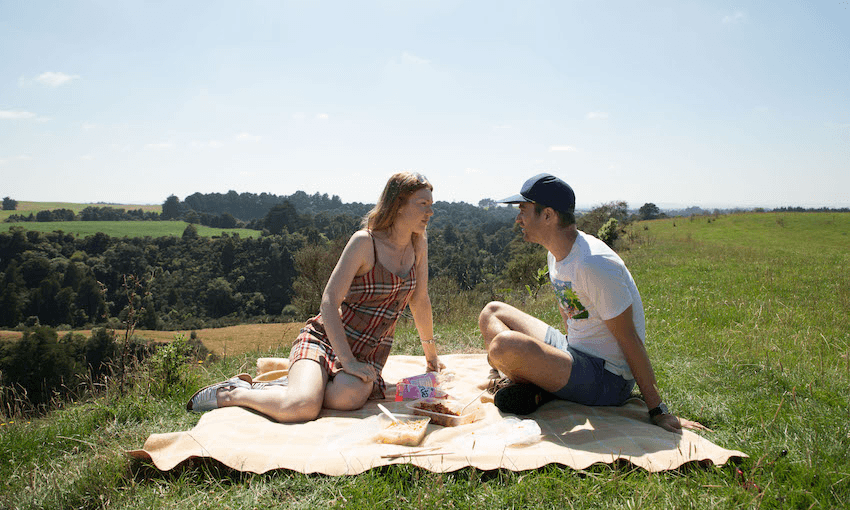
x=408, y=431
x=436, y=407
x=446, y=412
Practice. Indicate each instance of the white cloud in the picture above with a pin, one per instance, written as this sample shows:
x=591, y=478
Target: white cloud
x=411, y=59
x=299, y=116
x=322, y=116
x=597, y=115
x=562, y=148
x=16, y=115
x=52, y=79
x=472, y=170
x=159, y=146
x=736, y=17
x=248, y=137
x=88, y=126
x=208, y=144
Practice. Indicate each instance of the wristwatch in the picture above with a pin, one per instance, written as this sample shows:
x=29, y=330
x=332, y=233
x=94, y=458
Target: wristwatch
x=659, y=409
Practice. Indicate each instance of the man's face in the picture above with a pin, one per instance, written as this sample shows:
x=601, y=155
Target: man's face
x=529, y=221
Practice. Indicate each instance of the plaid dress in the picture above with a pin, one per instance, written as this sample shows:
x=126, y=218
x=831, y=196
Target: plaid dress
x=369, y=313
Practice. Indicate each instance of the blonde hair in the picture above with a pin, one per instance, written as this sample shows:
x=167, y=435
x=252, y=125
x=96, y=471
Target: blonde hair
x=396, y=193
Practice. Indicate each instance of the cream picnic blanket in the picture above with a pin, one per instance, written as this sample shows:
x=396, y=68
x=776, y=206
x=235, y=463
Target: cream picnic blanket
x=341, y=443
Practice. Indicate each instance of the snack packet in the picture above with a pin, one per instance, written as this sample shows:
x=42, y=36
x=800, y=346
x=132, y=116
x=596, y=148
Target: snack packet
x=422, y=386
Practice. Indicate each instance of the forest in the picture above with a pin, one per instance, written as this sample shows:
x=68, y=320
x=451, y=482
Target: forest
x=189, y=282
x=61, y=280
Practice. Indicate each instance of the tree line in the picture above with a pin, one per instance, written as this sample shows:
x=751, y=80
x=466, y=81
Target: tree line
x=59, y=279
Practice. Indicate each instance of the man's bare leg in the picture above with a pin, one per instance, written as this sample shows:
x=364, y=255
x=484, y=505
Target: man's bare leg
x=514, y=343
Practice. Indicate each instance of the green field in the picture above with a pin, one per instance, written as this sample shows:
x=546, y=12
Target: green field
x=748, y=330
x=126, y=228
x=111, y=228
x=27, y=208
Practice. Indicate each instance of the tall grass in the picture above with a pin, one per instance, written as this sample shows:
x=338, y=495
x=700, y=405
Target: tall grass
x=747, y=329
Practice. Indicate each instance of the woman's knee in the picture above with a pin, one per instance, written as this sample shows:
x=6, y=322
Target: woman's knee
x=347, y=394
x=301, y=408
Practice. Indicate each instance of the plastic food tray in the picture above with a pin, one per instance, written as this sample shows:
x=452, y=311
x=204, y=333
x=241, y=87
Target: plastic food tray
x=409, y=432
x=470, y=414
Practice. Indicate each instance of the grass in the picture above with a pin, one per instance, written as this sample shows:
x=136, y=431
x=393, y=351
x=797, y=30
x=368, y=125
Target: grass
x=27, y=208
x=747, y=318
x=111, y=228
x=126, y=228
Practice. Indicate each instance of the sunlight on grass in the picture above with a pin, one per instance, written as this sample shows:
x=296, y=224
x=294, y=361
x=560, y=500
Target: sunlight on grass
x=747, y=321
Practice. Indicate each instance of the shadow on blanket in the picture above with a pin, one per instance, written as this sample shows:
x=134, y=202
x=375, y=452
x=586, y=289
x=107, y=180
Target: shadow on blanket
x=341, y=443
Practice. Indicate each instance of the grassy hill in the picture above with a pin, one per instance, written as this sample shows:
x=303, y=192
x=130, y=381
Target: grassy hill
x=27, y=208
x=111, y=228
x=126, y=228
x=748, y=330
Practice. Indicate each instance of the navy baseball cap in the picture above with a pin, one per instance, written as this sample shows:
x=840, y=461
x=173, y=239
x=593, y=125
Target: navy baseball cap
x=547, y=190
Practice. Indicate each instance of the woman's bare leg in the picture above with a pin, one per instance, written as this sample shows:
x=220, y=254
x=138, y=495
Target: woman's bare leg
x=301, y=401
x=346, y=392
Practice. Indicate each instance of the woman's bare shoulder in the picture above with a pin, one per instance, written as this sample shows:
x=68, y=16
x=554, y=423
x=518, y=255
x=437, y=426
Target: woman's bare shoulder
x=360, y=244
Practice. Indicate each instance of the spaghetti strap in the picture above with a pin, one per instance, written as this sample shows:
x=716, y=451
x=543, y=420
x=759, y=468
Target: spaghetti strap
x=374, y=247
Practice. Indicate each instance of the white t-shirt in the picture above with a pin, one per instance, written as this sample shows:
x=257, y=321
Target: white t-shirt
x=592, y=285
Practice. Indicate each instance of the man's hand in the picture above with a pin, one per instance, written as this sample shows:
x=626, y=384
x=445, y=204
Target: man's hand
x=672, y=423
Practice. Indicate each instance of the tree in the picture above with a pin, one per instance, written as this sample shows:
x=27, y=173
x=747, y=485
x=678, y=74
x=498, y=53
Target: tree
x=649, y=211
x=314, y=264
x=280, y=217
x=609, y=232
x=190, y=232
x=9, y=204
x=592, y=221
x=171, y=208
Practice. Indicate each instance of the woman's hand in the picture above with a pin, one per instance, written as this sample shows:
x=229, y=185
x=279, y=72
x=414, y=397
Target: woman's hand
x=433, y=364
x=364, y=371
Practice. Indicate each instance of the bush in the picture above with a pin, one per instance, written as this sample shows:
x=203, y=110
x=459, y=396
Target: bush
x=609, y=232
x=40, y=365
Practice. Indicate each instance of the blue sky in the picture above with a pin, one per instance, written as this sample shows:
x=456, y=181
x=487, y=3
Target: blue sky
x=678, y=103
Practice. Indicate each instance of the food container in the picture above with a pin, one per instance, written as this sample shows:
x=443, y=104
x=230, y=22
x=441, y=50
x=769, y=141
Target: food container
x=458, y=413
x=408, y=432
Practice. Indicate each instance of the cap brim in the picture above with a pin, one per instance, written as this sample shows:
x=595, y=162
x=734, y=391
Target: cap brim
x=515, y=199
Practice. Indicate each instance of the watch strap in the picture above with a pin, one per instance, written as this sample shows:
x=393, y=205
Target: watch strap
x=659, y=409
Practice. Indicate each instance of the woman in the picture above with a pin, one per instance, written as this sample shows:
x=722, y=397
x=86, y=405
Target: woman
x=337, y=359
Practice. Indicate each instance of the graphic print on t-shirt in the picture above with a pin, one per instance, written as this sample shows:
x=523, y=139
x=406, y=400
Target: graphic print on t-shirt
x=569, y=300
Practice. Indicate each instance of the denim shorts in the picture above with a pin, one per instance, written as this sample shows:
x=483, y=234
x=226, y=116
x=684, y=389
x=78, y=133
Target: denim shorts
x=590, y=384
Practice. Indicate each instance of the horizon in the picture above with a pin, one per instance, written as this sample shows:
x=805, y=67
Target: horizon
x=581, y=208
x=666, y=104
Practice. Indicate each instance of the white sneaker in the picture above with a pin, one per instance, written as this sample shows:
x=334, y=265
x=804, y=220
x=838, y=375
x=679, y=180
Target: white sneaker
x=206, y=399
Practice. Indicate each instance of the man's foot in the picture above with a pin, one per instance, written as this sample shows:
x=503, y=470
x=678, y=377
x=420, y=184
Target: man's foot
x=494, y=385
x=491, y=386
x=521, y=398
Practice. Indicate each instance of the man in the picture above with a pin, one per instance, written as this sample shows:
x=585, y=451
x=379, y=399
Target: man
x=602, y=355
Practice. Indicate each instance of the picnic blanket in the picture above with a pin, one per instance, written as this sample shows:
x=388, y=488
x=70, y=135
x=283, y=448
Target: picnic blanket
x=342, y=443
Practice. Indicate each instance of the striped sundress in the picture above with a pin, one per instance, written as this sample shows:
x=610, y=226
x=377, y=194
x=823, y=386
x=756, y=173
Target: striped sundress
x=369, y=313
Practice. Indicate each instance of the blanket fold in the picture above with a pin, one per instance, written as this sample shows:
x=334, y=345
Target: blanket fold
x=341, y=443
